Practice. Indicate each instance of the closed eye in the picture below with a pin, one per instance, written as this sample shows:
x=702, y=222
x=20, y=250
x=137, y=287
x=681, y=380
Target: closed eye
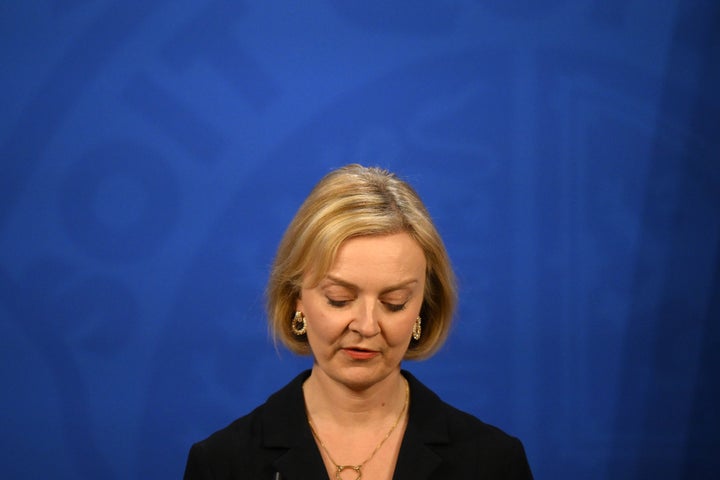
x=337, y=303
x=395, y=307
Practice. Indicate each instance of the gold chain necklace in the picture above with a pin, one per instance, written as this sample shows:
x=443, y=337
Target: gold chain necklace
x=358, y=468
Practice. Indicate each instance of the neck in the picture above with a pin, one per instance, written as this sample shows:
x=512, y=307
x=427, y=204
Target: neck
x=329, y=399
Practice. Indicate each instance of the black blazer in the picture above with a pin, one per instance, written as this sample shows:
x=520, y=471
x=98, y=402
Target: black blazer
x=275, y=442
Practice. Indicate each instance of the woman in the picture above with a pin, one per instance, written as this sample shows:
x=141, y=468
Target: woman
x=361, y=281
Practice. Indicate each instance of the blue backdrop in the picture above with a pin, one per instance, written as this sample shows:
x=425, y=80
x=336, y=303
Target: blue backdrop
x=152, y=153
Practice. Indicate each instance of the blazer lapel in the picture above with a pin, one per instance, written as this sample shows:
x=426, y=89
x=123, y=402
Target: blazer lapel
x=300, y=463
x=427, y=426
x=286, y=430
x=416, y=461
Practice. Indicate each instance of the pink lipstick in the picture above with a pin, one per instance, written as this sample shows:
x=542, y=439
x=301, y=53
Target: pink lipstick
x=357, y=354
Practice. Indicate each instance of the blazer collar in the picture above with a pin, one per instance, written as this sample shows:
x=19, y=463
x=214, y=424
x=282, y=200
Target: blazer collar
x=285, y=426
x=427, y=426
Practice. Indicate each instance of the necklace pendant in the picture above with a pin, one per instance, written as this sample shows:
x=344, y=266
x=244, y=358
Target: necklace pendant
x=340, y=469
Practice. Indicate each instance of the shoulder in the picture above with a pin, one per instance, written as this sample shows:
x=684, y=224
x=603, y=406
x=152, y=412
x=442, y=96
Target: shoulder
x=463, y=426
x=216, y=456
x=251, y=434
x=462, y=438
x=236, y=434
x=263, y=419
x=436, y=414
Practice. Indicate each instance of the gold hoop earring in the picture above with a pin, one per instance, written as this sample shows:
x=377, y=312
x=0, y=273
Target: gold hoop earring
x=298, y=325
x=417, y=329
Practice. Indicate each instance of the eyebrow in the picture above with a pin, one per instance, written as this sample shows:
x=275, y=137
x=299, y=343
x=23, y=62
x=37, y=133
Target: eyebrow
x=392, y=288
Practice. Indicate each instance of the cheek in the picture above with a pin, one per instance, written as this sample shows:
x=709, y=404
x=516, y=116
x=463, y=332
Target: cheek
x=323, y=325
x=399, y=332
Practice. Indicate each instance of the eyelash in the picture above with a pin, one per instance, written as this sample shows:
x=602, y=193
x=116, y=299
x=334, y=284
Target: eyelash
x=393, y=307
x=337, y=303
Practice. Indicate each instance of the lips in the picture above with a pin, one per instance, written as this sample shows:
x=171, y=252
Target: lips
x=357, y=353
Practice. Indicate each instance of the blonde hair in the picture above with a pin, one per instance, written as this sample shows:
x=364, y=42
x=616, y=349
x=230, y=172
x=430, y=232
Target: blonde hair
x=349, y=202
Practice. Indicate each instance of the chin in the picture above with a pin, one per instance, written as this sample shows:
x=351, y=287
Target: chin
x=361, y=378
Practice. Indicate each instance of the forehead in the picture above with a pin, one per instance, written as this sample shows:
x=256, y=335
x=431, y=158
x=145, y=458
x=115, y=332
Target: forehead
x=395, y=257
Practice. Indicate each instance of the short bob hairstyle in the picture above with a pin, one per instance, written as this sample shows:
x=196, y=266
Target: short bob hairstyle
x=349, y=202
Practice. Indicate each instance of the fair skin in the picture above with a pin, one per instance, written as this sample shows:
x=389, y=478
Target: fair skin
x=359, y=325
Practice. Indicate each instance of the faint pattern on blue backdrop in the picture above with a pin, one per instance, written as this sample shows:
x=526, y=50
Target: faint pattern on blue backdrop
x=152, y=153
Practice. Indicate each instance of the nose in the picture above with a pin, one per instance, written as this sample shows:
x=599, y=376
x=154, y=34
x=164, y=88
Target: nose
x=365, y=319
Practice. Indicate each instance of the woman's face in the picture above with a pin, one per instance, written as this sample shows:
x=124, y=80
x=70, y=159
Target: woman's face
x=360, y=315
